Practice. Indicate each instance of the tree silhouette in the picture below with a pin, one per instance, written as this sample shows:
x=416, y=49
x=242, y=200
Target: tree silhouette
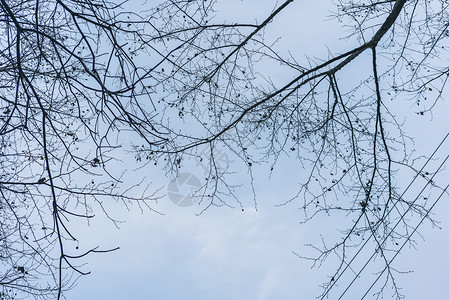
x=340, y=129
x=69, y=86
x=77, y=75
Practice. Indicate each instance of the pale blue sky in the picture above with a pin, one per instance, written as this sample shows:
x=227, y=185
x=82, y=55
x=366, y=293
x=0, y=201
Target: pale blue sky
x=229, y=254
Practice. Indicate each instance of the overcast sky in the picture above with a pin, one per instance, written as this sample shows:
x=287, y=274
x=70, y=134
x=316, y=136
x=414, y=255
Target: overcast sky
x=233, y=254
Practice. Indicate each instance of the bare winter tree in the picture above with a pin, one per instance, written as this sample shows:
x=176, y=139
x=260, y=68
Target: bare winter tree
x=68, y=86
x=340, y=130
x=76, y=75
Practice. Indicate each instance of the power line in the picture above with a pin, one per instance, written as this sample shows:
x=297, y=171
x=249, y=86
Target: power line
x=408, y=238
x=371, y=235
x=392, y=230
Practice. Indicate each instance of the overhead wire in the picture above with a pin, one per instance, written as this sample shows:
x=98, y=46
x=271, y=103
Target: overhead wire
x=406, y=241
x=394, y=227
x=371, y=235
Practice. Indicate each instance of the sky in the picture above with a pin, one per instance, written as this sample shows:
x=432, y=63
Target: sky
x=228, y=253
